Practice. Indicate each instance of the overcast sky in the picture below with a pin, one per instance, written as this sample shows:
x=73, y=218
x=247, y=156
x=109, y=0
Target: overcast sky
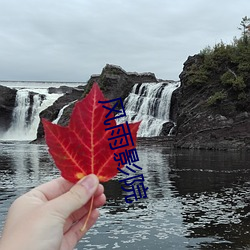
x=68, y=40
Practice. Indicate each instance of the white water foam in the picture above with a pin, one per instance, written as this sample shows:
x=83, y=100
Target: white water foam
x=61, y=112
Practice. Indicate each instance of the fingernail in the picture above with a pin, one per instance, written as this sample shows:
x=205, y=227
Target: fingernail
x=89, y=182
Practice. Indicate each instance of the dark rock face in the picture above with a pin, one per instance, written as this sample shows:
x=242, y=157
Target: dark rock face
x=116, y=82
x=63, y=89
x=203, y=126
x=7, y=104
x=175, y=99
x=31, y=101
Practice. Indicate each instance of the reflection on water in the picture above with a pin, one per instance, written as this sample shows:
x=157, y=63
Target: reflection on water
x=22, y=167
x=153, y=223
x=196, y=200
x=215, y=192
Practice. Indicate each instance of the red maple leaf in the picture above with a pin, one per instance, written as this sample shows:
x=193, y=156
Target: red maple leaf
x=83, y=147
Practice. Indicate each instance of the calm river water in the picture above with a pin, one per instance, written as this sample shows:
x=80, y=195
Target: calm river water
x=196, y=199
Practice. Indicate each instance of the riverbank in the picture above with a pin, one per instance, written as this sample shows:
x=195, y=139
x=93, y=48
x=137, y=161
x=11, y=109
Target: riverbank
x=171, y=143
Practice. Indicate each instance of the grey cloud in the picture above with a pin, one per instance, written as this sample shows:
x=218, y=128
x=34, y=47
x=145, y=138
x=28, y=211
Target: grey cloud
x=70, y=40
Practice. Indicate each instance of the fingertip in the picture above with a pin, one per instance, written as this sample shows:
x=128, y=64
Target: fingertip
x=90, y=182
x=100, y=201
x=101, y=187
x=76, y=197
x=95, y=213
x=99, y=190
x=103, y=199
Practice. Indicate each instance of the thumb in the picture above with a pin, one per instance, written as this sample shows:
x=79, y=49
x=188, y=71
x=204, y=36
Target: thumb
x=76, y=197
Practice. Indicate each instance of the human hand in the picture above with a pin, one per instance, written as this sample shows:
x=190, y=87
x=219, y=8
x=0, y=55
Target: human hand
x=50, y=216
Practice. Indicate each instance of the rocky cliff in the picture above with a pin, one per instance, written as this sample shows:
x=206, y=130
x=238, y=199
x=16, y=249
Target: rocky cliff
x=210, y=114
x=7, y=104
x=211, y=108
x=114, y=82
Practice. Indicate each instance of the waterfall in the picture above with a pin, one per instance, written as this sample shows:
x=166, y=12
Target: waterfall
x=149, y=103
x=25, y=117
x=61, y=112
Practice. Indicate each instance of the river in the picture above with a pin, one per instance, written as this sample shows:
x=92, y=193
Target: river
x=196, y=199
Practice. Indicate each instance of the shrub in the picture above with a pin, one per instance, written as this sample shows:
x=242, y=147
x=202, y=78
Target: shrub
x=234, y=81
x=216, y=98
x=197, y=75
x=227, y=78
x=239, y=84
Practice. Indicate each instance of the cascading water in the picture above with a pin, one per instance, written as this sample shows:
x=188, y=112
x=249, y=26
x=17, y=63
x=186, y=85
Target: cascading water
x=61, y=112
x=149, y=103
x=25, y=117
x=20, y=112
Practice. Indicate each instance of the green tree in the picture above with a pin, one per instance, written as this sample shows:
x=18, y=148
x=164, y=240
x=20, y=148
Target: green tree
x=245, y=28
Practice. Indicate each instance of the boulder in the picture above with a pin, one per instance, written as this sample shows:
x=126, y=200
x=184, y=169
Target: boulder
x=116, y=82
x=60, y=90
x=64, y=89
x=166, y=128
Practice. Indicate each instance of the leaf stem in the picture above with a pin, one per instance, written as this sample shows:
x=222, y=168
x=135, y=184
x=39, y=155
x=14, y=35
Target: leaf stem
x=89, y=213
